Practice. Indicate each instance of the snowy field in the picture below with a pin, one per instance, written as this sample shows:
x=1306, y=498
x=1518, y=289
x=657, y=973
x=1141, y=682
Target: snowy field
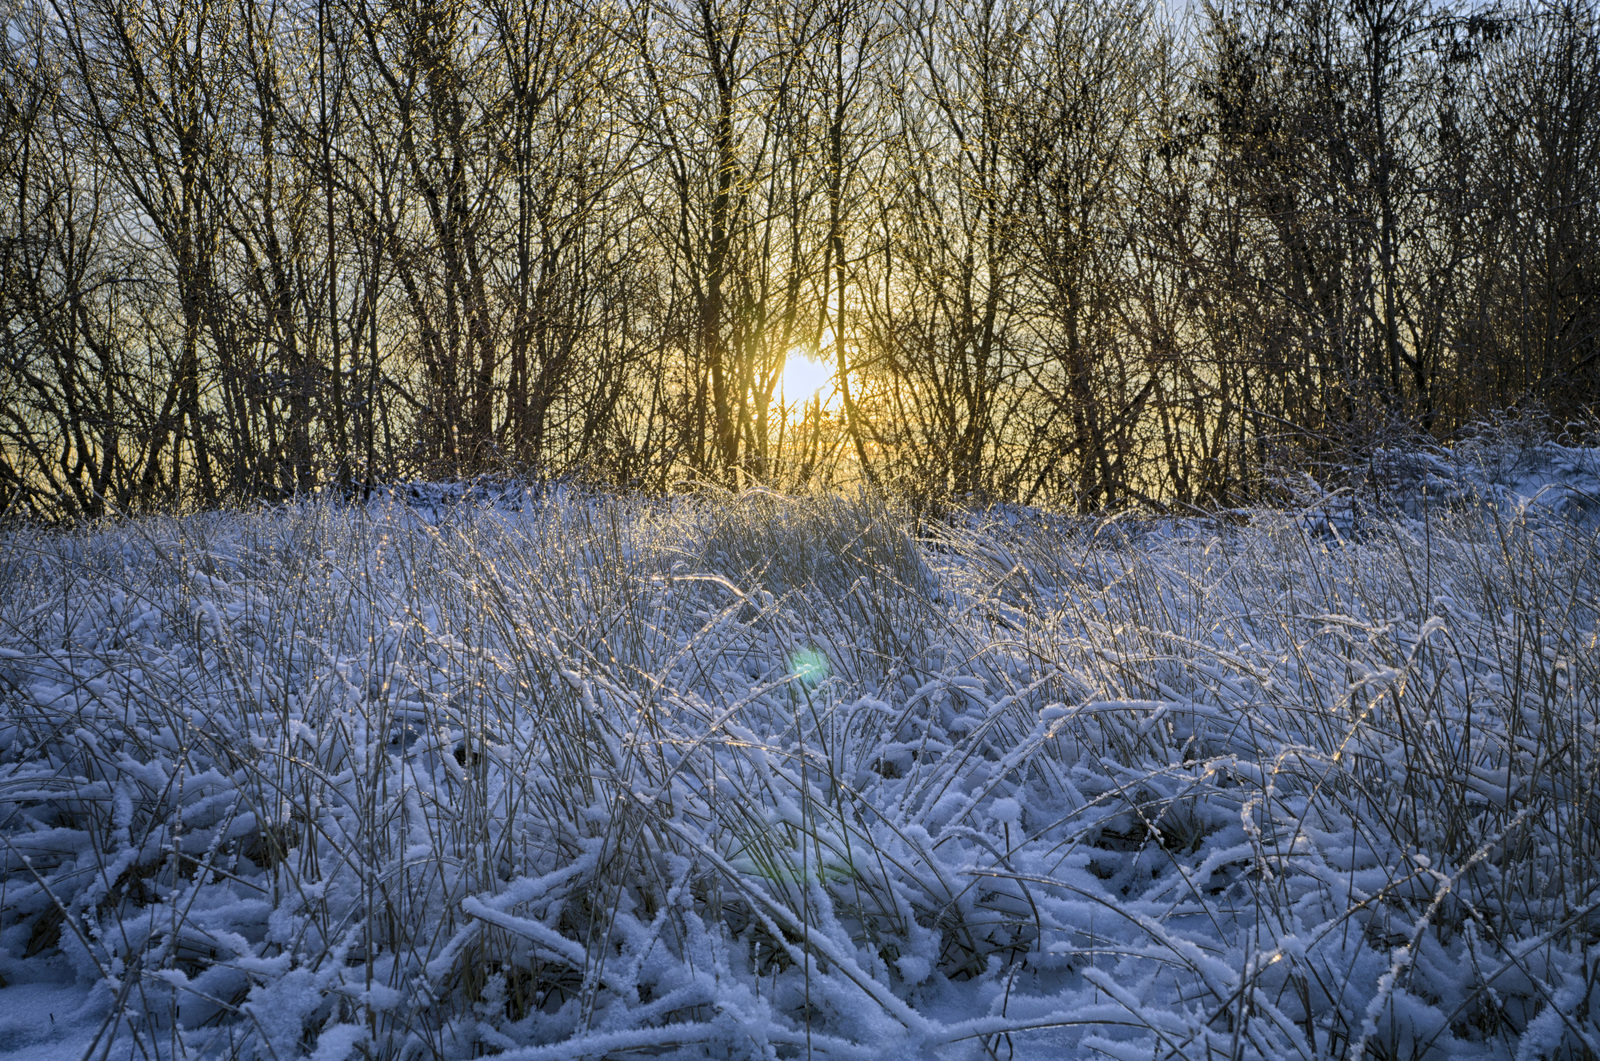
x=768, y=777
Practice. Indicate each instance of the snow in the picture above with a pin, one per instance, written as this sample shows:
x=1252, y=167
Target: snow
x=484, y=770
x=49, y=1018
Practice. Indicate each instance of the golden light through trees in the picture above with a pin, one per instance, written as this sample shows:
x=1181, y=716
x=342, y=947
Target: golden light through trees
x=805, y=378
x=1074, y=254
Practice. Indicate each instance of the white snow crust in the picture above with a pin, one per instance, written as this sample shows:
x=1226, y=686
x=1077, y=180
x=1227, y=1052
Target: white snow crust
x=468, y=772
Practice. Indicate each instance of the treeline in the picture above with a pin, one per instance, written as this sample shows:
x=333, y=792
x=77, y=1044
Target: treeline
x=1061, y=252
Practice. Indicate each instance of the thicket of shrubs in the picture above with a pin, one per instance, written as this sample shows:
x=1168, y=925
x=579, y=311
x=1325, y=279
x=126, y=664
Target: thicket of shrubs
x=1063, y=253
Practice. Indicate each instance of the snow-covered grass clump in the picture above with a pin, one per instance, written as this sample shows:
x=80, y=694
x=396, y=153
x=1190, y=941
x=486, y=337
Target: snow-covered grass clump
x=1515, y=466
x=773, y=777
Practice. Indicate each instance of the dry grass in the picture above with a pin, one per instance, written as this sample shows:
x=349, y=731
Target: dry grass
x=765, y=776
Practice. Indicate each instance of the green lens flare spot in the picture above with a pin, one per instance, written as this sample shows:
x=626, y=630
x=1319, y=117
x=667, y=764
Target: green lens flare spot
x=809, y=665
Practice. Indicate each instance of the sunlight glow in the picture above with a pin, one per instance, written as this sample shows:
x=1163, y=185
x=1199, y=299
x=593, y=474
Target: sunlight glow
x=810, y=666
x=804, y=377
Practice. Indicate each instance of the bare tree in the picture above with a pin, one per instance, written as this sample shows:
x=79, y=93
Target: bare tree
x=945, y=314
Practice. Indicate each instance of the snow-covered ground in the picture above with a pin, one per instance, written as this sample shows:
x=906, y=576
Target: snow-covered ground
x=759, y=776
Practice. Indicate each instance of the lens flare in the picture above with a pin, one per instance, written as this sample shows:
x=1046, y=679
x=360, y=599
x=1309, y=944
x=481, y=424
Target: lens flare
x=810, y=666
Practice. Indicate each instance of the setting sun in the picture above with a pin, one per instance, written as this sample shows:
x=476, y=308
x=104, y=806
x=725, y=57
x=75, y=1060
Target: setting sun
x=804, y=377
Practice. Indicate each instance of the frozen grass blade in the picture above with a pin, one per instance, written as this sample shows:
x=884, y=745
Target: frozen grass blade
x=763, y=776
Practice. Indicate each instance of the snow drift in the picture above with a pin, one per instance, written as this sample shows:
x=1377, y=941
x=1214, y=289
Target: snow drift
x=774, y=777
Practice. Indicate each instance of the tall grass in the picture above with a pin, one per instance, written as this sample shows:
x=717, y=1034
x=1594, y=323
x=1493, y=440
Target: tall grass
x=763, y=776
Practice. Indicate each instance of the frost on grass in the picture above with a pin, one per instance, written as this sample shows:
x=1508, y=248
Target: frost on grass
x=774, y=777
